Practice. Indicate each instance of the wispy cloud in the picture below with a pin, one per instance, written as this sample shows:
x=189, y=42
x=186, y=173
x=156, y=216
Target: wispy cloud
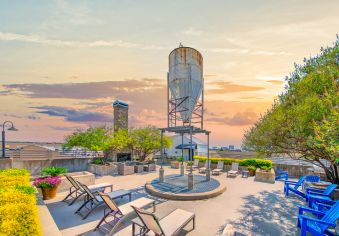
x=228, y=87
x=239, y=119
x=33, y=38
x=192, y=31
x=74, y=115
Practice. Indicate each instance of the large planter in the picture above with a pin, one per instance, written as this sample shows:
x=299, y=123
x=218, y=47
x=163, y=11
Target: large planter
x=49, y=193
x=102, y=169
x=265, y=176
x=175, y=164
x=124, y=169
x=138, y=168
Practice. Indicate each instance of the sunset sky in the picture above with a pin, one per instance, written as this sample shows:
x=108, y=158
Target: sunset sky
x=63, y=63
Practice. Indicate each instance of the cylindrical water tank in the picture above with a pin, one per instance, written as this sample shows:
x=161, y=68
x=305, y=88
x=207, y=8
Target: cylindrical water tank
x=186, y=79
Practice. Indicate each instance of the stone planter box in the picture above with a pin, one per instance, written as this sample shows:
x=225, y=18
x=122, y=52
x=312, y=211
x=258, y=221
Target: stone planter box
x=175, y=164
x=124, y=169
x=84, y=177
x=138, y=168
x=150, y=167
x=265, y=176
x=102, y=169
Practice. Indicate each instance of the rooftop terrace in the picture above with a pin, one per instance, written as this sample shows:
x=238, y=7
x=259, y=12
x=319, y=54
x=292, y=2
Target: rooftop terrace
x=252, y=208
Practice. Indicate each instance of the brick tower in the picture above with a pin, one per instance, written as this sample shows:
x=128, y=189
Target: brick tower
x=120, y=115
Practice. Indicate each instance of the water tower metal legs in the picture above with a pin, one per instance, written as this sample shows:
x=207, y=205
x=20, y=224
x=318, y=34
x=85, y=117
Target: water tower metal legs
x=190, y=181
x=161, y=175
x=208, y=174
x=182, y=169
x=208, y=170
x=161, y=170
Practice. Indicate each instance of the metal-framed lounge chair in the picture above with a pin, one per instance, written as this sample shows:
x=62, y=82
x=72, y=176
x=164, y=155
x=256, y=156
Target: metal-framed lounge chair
x=281, y=175
x=93, y=200
x=234, y=169
x=76, y=191
x=171, y=224
x=219, y=169
x=313, y=193
x=195, y=165
x=203, y=169
x=117, y=212
x=319, y=225
x=294, y=186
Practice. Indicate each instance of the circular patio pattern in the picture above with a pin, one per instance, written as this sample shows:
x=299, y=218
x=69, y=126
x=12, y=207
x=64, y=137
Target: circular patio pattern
x=174, y=187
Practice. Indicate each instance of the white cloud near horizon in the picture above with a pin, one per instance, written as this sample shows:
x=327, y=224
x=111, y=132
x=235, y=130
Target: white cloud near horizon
x=34, y=38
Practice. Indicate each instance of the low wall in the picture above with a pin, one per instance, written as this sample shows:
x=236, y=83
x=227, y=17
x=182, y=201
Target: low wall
x=34, y=166
x=103, y=169
x=83, y=177
x=296, y=171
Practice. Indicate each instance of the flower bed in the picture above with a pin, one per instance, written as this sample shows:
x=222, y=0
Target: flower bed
x=18, y=209
x=242, y=162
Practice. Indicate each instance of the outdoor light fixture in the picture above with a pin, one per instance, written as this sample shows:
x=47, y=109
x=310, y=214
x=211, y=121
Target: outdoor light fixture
x=11, y=128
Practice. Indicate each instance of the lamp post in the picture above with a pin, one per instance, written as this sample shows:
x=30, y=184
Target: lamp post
x=12, y=128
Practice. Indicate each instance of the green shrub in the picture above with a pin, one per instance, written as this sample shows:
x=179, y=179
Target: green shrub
x=97, y=161
x=266, y=168
x=258, y=163
x=180, y=159
x=53, y=171
x=18, y=210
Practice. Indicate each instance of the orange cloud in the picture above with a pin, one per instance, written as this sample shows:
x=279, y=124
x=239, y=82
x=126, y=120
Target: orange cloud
x=228, y=87
x=275, y=82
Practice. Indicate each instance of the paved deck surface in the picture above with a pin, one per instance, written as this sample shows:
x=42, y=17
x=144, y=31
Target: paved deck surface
x=252, y=208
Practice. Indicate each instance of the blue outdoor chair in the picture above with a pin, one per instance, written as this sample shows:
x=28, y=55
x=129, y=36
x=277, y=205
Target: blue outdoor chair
x=281, y=175
x=320, y=192
x=293, y=187
x=322, y=205
x=323, y=195
x=319, y=225
x=311, y=178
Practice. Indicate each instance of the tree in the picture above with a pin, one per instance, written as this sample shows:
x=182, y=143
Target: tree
x=99, y=139
x=145, y=141
x=303, y=122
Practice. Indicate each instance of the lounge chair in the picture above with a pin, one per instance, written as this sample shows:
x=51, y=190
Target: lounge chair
x=294, y=186
x=281, y=175
x=93, y=200
x=195, y=165
x=219, y=169
x=76, y=191
x=234, y=169
x=313, y=193
x=319, y=225
x=120, y=211
x=171, y=224
x=203, y=169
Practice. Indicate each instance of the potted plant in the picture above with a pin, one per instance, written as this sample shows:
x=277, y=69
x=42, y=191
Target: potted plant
x=251, y=170
x=50, y=181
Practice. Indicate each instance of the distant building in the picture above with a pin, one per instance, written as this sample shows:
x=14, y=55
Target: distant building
x=224, y=148
x=199, y=147
x=231, y=147
x=215, y=148
x=120, y=115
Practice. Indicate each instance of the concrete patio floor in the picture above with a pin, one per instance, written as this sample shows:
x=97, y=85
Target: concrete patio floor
x=252, y=208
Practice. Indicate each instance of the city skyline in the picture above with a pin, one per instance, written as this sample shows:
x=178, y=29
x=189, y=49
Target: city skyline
x=63, y=63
